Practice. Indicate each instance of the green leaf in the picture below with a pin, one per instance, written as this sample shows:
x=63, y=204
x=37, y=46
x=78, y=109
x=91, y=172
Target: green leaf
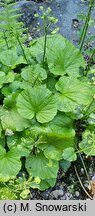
x=91, y=120
x=72, y=94
x=87, y=144
x=33, y=73
x=51, y=152
x=64, y=165
x=0, y=129
x=38, y=102
x=7, y=194
x=2, y=78
x=2, y=151
x=24, y=193
x=47, y=183
x=2, y=140
x=12, y=120
x=43, y=185
x=10, y=164
x=50, y=82
x=91, y=107
x=59, y=129
x=11, y=59
x=65, y=60
x=10, y=101
x=6, y=78
x=23, y=145
x=40, y=166
x=37, y=48
x=10, y=77
x=69, y=154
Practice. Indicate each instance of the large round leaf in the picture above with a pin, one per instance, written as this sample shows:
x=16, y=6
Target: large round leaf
x=61, y=130
x=39, y=102
x=37, y=48
x=40, y=166
x=10, y=164
x=72, y=94
x=11, y=59
x=12, y=120
x=58, y=133
x=65, y=60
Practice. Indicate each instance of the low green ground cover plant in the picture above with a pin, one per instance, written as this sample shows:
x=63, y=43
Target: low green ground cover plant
x=46, y=96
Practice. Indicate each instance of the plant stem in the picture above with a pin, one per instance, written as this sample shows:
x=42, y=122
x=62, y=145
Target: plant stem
x=45, y=39
x=85, y=115
x=82, y=183
x=86, y=24
x=17, y=37
x=82, y=150
x=84, y=167
x=6, y=39
x=90, y=61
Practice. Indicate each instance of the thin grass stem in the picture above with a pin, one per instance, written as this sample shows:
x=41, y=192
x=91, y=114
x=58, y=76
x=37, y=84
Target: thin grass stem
x=86, y=24
x=21, y=48
x=45, y=39
x=82, y=183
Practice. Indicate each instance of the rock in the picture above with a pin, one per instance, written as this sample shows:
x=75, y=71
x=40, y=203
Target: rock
x=45, y=194
x=28, y=9
x=61, y=192
x=93, y=177
x=82, y=170
x=66, y=11
x=77, y=193
x=57, y=193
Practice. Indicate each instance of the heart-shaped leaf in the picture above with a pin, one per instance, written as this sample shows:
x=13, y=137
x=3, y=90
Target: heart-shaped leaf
x=40, y=166
x=37, y=46
x=65, y=60
x=39, y=102
x=69, y=154
x=72, y=94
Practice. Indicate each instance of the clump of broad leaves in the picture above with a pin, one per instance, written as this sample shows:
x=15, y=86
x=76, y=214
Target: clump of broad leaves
x=40, y=103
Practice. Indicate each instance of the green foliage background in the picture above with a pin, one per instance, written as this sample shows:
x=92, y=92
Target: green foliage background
x=41, y=99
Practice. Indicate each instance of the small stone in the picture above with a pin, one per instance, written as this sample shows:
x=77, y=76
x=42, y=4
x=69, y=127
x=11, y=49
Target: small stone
x=55, y=193
x=61, y=187
x=93, y=178
x=45, y=194
x=63, y=198
x=77, y=193
x=61, y=192
x=82, y=170
x=75, y=23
